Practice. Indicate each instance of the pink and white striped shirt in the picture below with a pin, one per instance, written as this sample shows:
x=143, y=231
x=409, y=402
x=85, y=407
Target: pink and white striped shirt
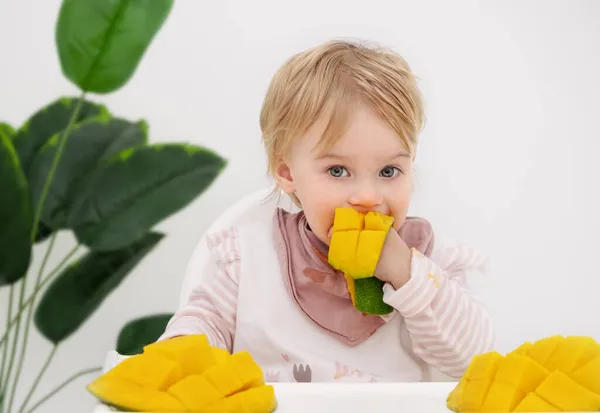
x=445, y=324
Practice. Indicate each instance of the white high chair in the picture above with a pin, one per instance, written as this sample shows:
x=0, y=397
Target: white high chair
x=235, y=213
x=200, y=257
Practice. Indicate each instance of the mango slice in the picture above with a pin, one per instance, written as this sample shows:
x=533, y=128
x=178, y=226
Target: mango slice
x=186, y=374
x=552, y=374
x=151, y=371
x=356, y=243
x=193, y=352
x=124, y=394
x=534, y=403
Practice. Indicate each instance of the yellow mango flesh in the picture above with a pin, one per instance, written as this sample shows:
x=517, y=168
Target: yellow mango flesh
x=534, y=403
x=126, y=395
x=355, y=246
x=164, y=378
x=357, y=241
x=192, y=352
x=150, y=371
x=552, y=374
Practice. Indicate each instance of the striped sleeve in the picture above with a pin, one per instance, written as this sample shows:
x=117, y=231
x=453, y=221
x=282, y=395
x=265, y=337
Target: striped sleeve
x=448, y=325
x=211, y=307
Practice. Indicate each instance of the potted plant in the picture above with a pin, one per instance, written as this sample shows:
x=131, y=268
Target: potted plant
x=75, y=166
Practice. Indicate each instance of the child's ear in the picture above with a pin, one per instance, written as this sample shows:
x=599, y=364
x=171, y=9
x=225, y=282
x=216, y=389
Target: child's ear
x=285, y=180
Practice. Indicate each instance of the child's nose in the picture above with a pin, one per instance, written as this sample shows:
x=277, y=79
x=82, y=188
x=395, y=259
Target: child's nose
x=365, y=199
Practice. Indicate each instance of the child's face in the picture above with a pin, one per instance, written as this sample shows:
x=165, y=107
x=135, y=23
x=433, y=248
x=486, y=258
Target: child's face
x=367, y=169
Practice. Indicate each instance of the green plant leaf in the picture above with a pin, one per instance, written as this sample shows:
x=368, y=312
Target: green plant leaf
x=89, y=143
x=16, y=216
x=6, y=129
x=137, y=189
x=48, y=121
x=100, y=43
x=140, y=332
x=80, y=289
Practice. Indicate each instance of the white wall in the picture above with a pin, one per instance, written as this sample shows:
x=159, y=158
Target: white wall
x=508, y=160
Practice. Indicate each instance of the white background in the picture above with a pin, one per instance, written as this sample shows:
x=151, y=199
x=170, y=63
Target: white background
x=508, y=160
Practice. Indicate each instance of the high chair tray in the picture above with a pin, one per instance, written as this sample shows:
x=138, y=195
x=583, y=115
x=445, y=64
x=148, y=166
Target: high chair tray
x=357, y=398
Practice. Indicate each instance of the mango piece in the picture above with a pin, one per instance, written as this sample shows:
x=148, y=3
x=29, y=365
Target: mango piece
x=355, y=246
x=195, y=393
x=563, y=392
x=192, y=352
x=151, y=371
x=351, y=289
x=239, y=372
x=590, y=353
x=473, y=394
x=551, y=374
x=378, y=222
x=348, y=219
x=159, y=381
x=453, y=401
x=370, y=245
x=521, y=372
x=589, y=375
x=569, y=352
x=483, y=366
x=342, y=251
x=534, y=403
x=502, y=397
x=522, y=349
x=125, y=395
x=255, y=400
x=542, y=349
x=220, y=354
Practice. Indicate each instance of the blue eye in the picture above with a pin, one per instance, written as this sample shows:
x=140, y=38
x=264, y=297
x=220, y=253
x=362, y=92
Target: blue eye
x=337, y=171
x=389, y=172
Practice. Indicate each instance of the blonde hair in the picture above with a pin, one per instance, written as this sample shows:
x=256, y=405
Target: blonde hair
x=328, y=80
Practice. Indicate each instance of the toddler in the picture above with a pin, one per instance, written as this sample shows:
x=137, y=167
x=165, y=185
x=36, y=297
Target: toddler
x=340, y=125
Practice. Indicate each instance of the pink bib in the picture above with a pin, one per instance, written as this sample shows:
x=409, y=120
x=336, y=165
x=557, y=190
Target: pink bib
x=319, y=290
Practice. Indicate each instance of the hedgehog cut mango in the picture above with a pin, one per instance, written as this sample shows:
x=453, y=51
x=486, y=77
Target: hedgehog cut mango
x=186, y=374
x=553, y=374
x=355, y=246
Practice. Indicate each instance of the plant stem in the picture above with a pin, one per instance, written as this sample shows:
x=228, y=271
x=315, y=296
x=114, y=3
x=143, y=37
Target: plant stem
x=38, y=378
x=29, y=300
x=3, y=344
x=60, y=387
x=28, y=324
x=12, y=352
x=36, y=223
x=5, y=348
x=55, y=163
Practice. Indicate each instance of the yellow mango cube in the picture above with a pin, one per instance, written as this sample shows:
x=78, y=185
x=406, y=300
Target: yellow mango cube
x=566, y=394
x=542, y=349
x=473, y=394
x=378, y=222
x=534, y=403
x=194, y=392
x=126, y=395
x=152, y=371
x=342, y=250
x=589, y=375
x=483, y=366
x=501, y=397
x=192, y=352
x=569, y=352
x=522, y=349
x=348, y=219
x=522, y=372
x=370, y=245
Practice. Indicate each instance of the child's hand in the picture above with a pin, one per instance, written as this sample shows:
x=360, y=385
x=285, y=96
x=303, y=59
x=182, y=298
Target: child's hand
x=395, y=261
